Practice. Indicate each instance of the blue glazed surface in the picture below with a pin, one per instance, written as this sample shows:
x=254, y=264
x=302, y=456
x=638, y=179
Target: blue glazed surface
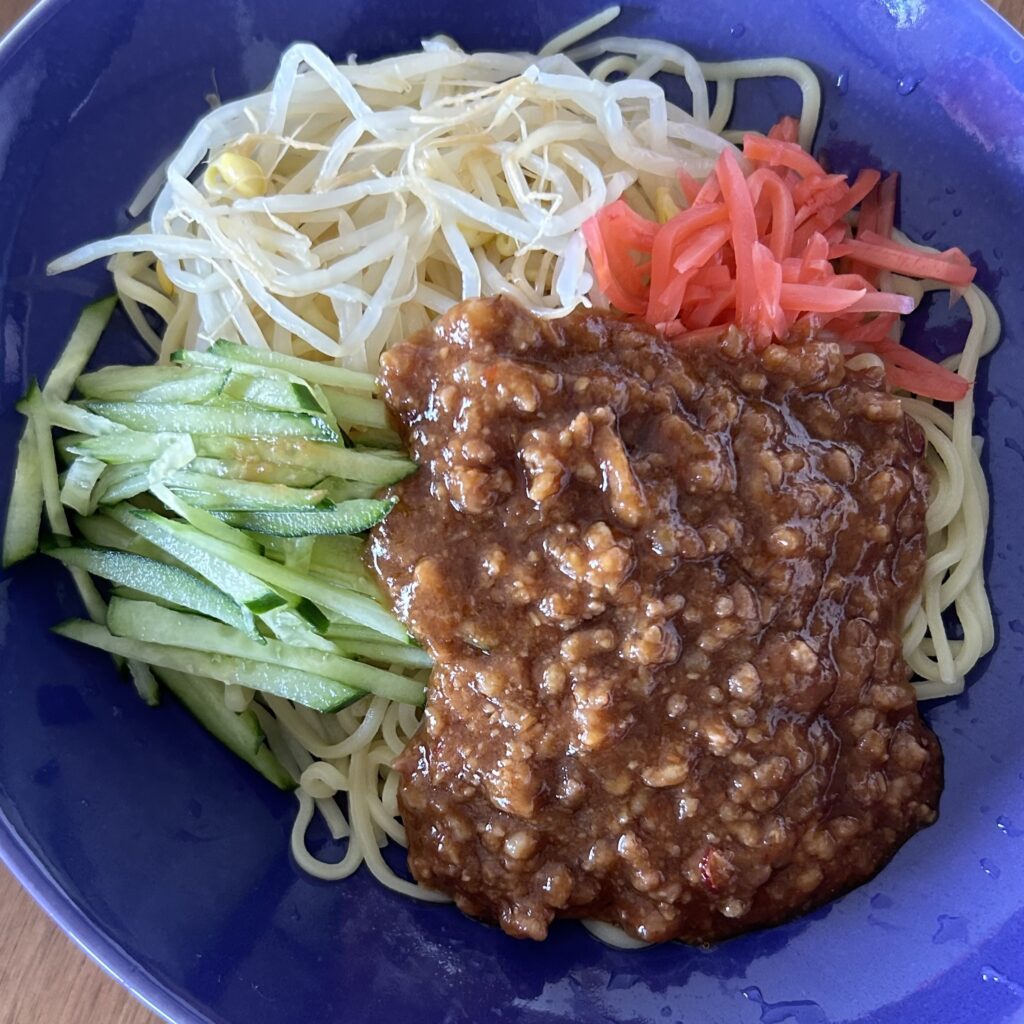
x=166, y=858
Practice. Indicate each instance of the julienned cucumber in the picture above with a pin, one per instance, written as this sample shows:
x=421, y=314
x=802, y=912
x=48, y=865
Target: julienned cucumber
x=79, y=349
x=143, y=620
x=375, y=468
x=271, y=393
x=219, y=494
x=356, y=607
x=79, y=486
x=240, y=733
x=256, y=437
x=307, y=369
x=219, y=570
x=346, y=518
x=125, y=446
x=189, y=388
x=358, y=410
x=205, y=521
x=263, y=472
x=25, y=508
x=235, y=420
x=316, y=692
x=386, y=653
x=126, y=383
x=167, y=582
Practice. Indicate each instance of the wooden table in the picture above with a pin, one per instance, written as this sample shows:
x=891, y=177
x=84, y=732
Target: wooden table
x=44, y=979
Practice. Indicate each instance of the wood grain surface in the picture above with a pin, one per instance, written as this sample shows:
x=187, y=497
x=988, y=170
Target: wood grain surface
x=44, y=978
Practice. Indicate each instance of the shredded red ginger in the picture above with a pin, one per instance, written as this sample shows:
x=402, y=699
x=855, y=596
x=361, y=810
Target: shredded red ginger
x=773, y=252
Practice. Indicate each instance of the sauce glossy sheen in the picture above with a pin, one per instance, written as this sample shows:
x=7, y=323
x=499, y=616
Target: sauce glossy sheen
x=663, y=590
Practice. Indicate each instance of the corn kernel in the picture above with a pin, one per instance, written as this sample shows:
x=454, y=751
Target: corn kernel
x=166, y=284
x=664, y=205
x=475, y=237
x=507, y=245
x=231, y=172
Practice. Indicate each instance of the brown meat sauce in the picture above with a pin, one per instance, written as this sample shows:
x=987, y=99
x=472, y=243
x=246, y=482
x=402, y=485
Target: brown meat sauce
x=663, y=590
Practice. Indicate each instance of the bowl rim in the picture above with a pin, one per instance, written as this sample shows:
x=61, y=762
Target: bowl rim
x=85, y=933
x=26, y=867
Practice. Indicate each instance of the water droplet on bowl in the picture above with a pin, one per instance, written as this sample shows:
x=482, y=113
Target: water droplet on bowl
x=993, y=974
x=737, y=30
x=957, y=211
x=928, y=235
x=1016, y=55
x=1008, y=828
x=880, y=901
x=906, y=84
x=951, y=929
x=990, y=868
x=843, y=81
x=797, y=1011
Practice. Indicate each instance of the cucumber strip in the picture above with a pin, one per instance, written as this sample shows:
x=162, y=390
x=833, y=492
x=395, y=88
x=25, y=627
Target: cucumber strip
x=341, y=630
x=348, y=517
x=74, y=417
x=271, y=393
x=288, y=626
x=356, y=579
x=178, y=540
x=126, y=446
x=25, y=505
x=119, y=483
x=187, y=357
x=118, y=381
x=378, y=440
x=142, y=620
x=130, y=594
x=315, y=588
x=258, y=375
x=79, y=487
x=35, y=408
x=63, y=445
x=79, y=349
x=176, y=456
x=188, y=388
x=358, y=410
x=103, y=532
x=167, y=582
x=91, y=597
x=203, y=520
x=265, y=472
x=233, y=420
x=146, y=685
x=306, y=610
x=346, y=490
x=295, y=552
x=387, y=653
x=339, y=551
x=320, y=397
x=376, y=468
x=312, y=691
x=307, y=369
x=213, y=492
x=151, y=383
x=240, y=733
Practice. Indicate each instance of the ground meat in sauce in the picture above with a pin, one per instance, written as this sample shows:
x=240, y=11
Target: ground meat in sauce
x=664, y=591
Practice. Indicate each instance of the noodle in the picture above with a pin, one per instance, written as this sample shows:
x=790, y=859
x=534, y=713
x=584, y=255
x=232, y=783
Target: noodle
x=957, y=525
x=393, y=190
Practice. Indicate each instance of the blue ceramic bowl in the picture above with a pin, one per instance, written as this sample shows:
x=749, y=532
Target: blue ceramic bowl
x=166, y=859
